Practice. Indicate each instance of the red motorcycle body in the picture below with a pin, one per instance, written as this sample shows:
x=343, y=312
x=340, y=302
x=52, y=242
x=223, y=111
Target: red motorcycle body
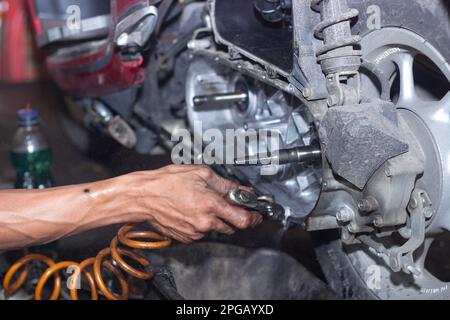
x=83, y=60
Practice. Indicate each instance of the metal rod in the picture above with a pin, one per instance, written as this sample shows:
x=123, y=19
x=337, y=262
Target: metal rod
x=305, y=155
x=218, y=101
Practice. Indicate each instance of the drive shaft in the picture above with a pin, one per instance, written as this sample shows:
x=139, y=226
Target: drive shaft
x=219, y=101
x=304, y=155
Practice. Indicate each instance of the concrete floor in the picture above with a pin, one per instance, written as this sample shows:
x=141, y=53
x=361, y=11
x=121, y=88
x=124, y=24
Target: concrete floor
x=72, y=167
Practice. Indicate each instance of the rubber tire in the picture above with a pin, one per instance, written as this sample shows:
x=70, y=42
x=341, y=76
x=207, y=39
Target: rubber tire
x=430, y=19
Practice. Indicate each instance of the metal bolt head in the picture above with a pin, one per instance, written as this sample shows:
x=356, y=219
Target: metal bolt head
x=405, y=232
x=413, y=203
x=414, y=270
x=332, y=100
x=362, y=205
x=352, y=228
x=345, y=214
x=378, y=221
x=428, y=212
x=102, y=112
x=368, y=204
x=271, y=73
x=307, y=92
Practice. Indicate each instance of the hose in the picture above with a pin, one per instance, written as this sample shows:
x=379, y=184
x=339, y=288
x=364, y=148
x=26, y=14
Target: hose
x=91, y=268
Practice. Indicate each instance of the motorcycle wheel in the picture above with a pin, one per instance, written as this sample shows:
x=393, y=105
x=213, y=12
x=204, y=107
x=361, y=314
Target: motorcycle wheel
x=410, y=42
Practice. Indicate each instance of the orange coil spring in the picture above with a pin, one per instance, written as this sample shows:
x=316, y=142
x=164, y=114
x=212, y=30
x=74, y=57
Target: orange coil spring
x=92, y=268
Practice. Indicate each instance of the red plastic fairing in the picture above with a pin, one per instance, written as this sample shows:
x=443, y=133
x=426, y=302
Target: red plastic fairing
x=100, y=70
x=118, y=75
x=36, y=22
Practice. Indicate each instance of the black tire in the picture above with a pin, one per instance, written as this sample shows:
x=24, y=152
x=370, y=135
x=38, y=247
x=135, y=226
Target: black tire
x=337, y=268
x=431, y=20
x=428, y=18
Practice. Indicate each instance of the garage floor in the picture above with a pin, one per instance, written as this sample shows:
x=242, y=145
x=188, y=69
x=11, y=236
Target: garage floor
x=71, y=167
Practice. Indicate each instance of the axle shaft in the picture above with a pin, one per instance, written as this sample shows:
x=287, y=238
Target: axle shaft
x=220, y=101
x=304, y=155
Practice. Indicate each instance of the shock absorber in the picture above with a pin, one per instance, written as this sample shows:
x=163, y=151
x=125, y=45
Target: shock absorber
x=339, y=59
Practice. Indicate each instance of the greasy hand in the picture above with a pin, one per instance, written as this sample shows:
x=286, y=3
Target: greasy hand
x=187, y=202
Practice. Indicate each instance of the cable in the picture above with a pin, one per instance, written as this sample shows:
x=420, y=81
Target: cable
x=91, y=268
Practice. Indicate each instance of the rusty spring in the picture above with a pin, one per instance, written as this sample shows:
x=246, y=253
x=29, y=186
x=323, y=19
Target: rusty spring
x=327, y=50
x=92, y=268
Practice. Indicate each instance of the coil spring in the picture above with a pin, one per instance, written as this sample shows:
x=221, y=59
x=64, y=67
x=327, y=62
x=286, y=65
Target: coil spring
x=125, y=237
x=326, y=51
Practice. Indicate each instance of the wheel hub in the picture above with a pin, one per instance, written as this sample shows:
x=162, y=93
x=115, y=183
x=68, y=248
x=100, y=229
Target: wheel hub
x=396, y=52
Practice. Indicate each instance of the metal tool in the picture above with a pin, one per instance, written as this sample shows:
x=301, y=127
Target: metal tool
x=265, y=205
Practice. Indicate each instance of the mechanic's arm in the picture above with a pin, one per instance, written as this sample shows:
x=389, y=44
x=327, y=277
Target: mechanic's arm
x=182, y=202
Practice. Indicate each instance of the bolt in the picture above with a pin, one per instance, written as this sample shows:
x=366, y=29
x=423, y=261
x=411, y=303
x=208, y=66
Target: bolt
x=233, y=54
x=102, y=112
x=415, y=271
x=428, y=212
x=307, y=92
x=352, y=228
x=333, y=100
x=199, y=44
x=271, y=73
x=368, y=204
x=405, y=232
x=378, y=221
x=345, y=214
x=413, y=203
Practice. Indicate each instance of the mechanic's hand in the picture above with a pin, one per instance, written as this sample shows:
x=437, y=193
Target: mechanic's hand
x=186, y=202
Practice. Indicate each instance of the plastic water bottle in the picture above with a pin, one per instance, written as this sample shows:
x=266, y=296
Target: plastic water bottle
x=31, y=155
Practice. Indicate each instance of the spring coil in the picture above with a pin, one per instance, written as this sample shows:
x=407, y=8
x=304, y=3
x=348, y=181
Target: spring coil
x=327, y=51
x=116, y=264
